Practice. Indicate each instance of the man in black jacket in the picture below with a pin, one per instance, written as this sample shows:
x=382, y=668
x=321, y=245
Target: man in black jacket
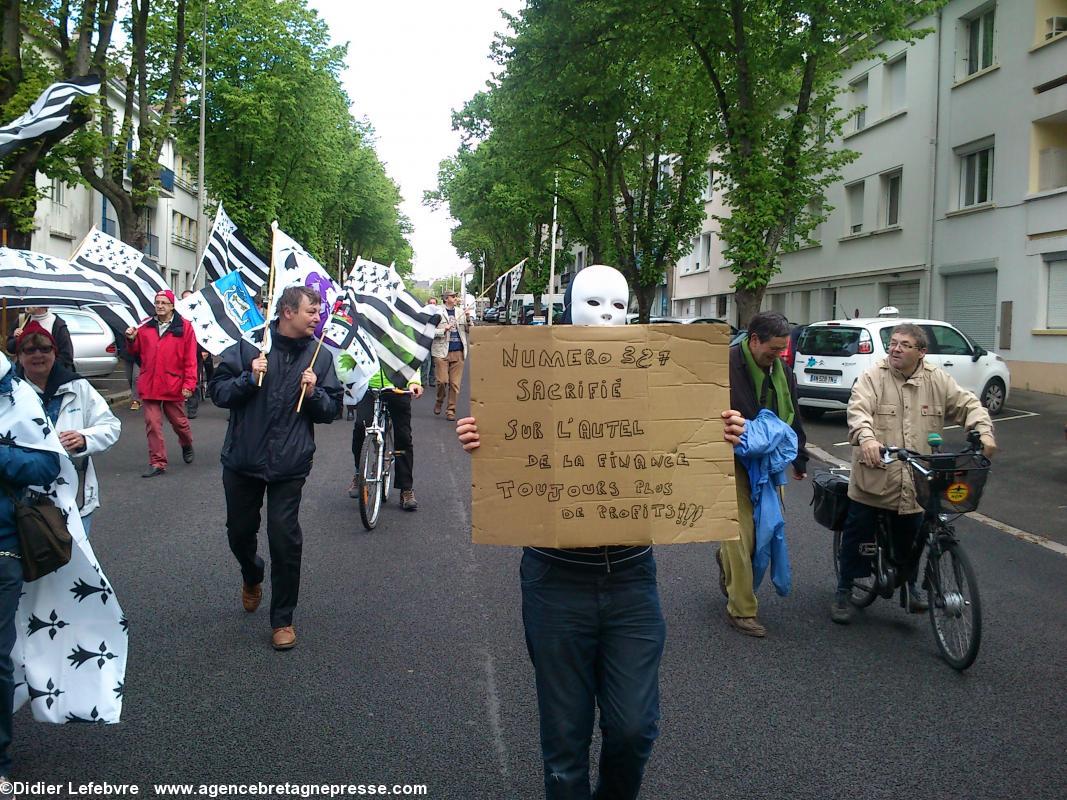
x=755, y=361
x=269, y=448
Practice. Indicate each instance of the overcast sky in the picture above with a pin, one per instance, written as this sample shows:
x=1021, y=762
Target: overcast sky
x=410, y=63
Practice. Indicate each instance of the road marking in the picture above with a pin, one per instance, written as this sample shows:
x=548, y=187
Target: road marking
x=1023, y=536
x=1020, y=415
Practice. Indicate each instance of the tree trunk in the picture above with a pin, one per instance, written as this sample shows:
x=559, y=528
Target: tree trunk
x=131, y=220
x=748, y=303
x=645, y=295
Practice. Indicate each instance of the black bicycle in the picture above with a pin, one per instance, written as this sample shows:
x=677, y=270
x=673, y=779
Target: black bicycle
x=947, y=485
x=376, y=459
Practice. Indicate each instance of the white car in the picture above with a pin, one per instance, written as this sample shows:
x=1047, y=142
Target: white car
x=832, y=355
x=95, y=353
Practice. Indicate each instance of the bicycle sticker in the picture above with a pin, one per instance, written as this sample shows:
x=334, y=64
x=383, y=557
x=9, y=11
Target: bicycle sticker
x=957, y=492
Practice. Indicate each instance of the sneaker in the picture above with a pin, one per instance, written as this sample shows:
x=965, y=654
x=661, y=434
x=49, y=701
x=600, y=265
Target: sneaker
x=187, y=454
x=408, y=501
x=917, y=600
x=135, y=405
x=353, y=487
x=283, y=638
x=749, y=626
x=841, y=610
x=153, y=472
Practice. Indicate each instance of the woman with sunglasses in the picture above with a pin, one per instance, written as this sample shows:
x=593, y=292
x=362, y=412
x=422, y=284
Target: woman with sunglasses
x=81, y=417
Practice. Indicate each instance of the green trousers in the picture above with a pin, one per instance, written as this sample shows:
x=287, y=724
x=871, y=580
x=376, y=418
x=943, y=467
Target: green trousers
x=737, y=554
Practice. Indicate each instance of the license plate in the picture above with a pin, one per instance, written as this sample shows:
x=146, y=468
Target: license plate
x=823, y=378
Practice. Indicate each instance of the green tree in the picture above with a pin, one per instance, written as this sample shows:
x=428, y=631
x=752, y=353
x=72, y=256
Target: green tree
x=621, y=119
x=41, y=42
x=772, y=71
x=281, y=143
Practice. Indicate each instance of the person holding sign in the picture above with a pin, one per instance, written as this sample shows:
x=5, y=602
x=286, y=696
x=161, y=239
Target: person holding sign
x=594, y=629
x=269, y=448
x=898, y=402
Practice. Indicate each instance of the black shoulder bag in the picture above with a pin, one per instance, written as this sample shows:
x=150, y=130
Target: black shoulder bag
x=43, y=536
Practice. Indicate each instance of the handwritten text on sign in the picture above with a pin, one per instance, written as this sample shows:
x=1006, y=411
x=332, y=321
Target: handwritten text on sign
x=601, y=435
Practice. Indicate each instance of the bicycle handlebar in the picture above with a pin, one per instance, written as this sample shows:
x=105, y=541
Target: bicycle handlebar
x=974, y=445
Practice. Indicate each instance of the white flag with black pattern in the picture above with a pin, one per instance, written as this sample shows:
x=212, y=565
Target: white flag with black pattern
x=47, y=113
x=228, y=250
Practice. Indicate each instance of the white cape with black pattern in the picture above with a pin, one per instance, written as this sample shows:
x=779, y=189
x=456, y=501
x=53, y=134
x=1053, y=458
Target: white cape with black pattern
x=70, y=655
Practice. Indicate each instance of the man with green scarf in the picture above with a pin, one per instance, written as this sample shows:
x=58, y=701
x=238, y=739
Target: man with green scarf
x=758, y=379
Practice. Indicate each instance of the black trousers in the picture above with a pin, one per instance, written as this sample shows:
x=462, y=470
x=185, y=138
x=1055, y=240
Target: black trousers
x=244, y=499
x=399, y=406
x=860, y=527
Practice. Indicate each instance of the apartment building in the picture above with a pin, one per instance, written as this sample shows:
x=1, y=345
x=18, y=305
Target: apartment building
x=957, y=205
x=701, y=283
x=67, y=213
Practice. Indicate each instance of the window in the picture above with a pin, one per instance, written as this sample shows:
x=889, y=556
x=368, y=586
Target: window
x=1057, y=294
x=579, y=261
x=976, y=177
x=854, y=202
x=59, y=192
x=980, y=30
x=894, y=87
x=1048, y=141
x=858, y=92
x=947, y=341
x=705, y=250
x=720, y=306
x=891, y=183
x=709, y=189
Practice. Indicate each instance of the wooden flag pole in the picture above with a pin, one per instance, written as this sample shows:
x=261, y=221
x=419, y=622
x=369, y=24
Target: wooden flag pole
x=270, y=295
x=300, y=402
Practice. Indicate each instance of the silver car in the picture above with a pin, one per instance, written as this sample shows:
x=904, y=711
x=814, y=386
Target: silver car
x=94, y=344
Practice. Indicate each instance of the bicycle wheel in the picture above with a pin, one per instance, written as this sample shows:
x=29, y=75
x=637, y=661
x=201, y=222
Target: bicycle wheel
x=388, y=462
x=955, y=610
x=370, y=498
x=864, y=590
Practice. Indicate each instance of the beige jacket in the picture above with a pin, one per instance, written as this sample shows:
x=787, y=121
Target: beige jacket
x=900, y=412
x=439, y=348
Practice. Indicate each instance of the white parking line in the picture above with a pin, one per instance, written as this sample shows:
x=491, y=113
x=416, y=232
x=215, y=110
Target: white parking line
x=1023, y=536
x=1019, y=415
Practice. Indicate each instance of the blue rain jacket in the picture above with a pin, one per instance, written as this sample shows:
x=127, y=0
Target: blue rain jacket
x=767, y=448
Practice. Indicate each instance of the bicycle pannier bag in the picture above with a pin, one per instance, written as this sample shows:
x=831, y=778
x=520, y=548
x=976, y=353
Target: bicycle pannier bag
x=830, y=500
x=43, y=537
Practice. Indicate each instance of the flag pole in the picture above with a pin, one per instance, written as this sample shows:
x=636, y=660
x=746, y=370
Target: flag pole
x=552, y=244
x=300, y=402
x=270, y=294
x=201, y=245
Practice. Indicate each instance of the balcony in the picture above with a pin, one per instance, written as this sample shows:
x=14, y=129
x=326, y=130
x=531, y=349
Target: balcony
x=183, y=241
x=185, y=184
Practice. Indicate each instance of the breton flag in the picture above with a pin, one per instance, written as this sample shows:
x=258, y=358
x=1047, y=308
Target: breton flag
x=47, y=113
x=354, y=354
x=128, y=271
x=228, y=250
x=402, y=331
x=222, y=313
x=507, y=285
x=35, y=279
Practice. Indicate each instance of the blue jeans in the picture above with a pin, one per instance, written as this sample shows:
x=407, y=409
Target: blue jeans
x=594, y=640
x=10, y=589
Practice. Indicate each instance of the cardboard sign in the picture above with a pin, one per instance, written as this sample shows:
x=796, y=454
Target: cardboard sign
x=593, y=436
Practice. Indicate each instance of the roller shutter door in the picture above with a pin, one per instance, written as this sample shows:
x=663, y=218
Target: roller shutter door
x=905, y=296
x=971, y=305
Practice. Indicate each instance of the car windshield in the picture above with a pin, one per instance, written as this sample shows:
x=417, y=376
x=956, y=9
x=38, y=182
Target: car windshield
x=833, y=341
x=78, y=323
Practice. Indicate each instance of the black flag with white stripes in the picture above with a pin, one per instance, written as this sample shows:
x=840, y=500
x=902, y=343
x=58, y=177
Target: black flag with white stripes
x=132, y=274
x=47, y=113
x=228, y=250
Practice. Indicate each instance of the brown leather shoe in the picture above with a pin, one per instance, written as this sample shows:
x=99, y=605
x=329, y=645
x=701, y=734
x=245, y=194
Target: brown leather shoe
x=747, y=625
x=284, y=638
x=437, y=409
x=250, y=596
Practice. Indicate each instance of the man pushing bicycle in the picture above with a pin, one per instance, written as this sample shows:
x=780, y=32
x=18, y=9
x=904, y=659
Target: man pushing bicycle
x=896, y=403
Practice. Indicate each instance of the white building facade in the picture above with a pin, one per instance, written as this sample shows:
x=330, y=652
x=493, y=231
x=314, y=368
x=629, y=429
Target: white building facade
x=957, y=205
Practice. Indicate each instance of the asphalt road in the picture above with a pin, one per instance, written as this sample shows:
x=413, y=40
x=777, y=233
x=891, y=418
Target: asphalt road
x=411, y=665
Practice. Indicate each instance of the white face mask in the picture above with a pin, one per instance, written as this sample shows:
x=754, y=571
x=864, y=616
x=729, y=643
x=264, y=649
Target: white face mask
x=599, y=296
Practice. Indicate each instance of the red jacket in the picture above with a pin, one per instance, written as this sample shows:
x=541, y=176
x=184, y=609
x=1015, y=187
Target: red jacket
x=168, y=363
